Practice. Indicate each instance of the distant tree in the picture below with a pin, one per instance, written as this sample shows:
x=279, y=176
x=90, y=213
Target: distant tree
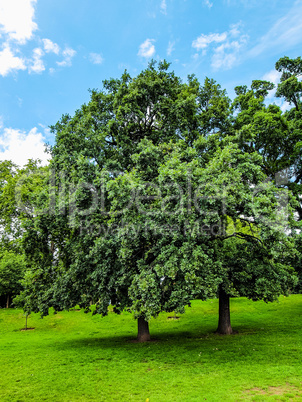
x=18, y=188
x=12, y=269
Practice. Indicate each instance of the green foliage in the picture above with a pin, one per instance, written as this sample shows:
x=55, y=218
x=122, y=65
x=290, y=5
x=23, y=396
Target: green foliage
x=109, y=133
x=290, y=87
x=263, y=129
x=106, y=131
x=276, y=136
x=143, y=183
x=20, y=189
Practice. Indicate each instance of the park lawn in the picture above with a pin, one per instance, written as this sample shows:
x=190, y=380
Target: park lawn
x=72, y=356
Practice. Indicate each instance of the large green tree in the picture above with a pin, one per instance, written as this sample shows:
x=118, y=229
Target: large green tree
x=176, y=227
x=63, y=240
x=146, y=183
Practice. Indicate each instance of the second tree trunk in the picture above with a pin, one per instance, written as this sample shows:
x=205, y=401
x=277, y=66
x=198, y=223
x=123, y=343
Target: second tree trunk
x=143, y=334
x=224, y=323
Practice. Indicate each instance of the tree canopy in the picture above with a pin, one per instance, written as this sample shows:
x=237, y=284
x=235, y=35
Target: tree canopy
x=160, y=191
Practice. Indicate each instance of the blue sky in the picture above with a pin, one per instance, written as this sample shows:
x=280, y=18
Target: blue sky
x=53, y=51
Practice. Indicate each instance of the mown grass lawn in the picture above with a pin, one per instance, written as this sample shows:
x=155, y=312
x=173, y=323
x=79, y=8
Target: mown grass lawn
x=72, y=356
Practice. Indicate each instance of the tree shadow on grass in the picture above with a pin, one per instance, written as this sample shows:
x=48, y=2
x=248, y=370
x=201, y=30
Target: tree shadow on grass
x=168, y=347
x=258, y=338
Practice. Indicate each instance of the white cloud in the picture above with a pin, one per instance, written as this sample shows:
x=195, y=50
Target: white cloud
x=96, y=58
x=170, y=48
x=9, y=62
x=19, y=146
x=37, y=64
x=226, y=47
x=51, y=47
x=284, y=34
x=163, y=7
x=203, y=41
x=226, y=55
x=68, y=54
x=17, y=19
x=208, y=3
x=272, y=76
x=17, y=27
x=235, y=29
x=147, y=49
x=284, y=106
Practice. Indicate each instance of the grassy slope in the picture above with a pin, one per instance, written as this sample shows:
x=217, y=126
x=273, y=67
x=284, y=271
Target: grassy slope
x=72, y=356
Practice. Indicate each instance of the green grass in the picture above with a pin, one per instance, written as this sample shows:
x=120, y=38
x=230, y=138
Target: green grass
x=72, y=356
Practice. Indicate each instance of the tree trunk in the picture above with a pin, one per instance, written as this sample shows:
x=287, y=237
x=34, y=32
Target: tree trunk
x=143, y=334
x=224, y=323
x=7, y=301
